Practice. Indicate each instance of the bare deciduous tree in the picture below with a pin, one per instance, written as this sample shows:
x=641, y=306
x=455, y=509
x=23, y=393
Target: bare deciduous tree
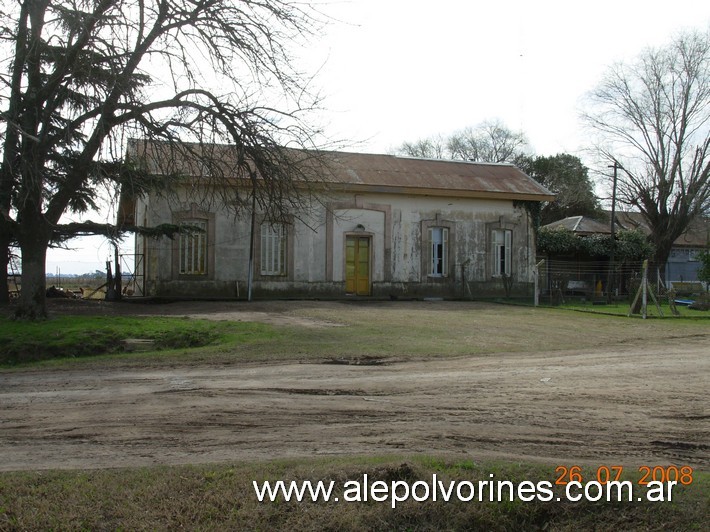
x=490, y=142
x=653, y=117
x=428, y=148
x=81, y=77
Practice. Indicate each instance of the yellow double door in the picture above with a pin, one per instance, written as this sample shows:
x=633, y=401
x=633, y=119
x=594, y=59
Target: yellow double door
x=357, y=265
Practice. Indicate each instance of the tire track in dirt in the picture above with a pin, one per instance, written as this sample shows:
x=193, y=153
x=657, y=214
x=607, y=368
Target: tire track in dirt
x=629, y=405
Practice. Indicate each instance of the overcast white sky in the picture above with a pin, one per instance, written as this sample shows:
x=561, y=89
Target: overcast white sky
x=398, y=70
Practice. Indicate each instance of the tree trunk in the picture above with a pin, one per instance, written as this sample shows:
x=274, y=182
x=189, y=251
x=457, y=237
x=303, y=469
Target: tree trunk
x=660, y=258
x=4, y=264
x=33, y=296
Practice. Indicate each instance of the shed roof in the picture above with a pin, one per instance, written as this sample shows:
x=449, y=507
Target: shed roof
x=583, y=225
x=696, y=236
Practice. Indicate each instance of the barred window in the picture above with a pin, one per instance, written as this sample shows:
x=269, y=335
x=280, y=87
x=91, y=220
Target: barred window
x=193, y=249
x=273, y=249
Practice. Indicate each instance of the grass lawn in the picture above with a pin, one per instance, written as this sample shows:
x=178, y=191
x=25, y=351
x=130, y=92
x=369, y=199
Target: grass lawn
x=622, y=309
x=67, y=337
x=374, y=329
x=223, y=498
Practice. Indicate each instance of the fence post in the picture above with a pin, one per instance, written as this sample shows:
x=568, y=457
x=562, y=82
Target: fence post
x=536, y=271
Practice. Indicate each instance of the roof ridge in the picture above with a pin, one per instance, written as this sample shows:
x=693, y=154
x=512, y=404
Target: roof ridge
x=579, y=221
x=443, y=160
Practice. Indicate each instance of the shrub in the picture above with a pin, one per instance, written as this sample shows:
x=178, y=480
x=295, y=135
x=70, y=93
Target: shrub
x=701, y=303
x=704, y=271
x=628, y=245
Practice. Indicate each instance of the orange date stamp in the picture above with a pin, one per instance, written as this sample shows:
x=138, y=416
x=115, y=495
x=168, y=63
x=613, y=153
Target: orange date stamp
x=604, y=474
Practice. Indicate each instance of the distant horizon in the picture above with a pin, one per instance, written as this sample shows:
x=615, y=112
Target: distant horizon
x=86, y=274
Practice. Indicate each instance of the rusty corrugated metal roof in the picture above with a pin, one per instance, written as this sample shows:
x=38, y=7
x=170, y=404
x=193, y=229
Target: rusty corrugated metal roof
x=435, y=176
x=373, y=172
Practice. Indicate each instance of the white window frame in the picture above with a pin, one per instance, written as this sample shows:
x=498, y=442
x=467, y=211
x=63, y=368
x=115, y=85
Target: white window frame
x=502, y=240
x=273, y=249
x=192, y=249
x=438, y=251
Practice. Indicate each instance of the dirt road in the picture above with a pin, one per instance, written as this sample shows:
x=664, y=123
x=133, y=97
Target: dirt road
x=628, y=406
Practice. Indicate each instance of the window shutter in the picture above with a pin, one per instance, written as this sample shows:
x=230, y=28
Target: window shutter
x=508, y=252
x=445, y=251
x=430, y=250
x=264, y=259
x=282, y=250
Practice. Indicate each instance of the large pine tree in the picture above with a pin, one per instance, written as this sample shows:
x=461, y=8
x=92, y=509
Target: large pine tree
x=84, y=75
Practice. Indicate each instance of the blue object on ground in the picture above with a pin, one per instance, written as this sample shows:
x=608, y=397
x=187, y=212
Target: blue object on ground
x=684, y=302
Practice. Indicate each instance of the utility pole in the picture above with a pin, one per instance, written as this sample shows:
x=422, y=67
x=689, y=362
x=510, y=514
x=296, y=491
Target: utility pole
x=250, y=273
x=609, y=279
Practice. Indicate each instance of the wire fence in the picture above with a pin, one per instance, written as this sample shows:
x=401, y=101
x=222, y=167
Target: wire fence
x=563, y=280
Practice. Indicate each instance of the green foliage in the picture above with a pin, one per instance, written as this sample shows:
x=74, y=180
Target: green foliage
x=81, y=336
x=566, y=176
x=629, y=245
x=557, y=242
x=534, y=209
x=596, y=245
x=633, y=245
x=79, y=81
x=704, y=271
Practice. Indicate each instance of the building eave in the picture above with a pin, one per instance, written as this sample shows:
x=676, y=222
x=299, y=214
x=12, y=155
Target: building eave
x=437, y=192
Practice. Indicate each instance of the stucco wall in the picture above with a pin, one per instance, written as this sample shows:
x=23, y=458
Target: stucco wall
x=396, y=225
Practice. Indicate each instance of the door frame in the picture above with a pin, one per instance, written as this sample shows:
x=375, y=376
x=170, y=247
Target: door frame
x=370, y=237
